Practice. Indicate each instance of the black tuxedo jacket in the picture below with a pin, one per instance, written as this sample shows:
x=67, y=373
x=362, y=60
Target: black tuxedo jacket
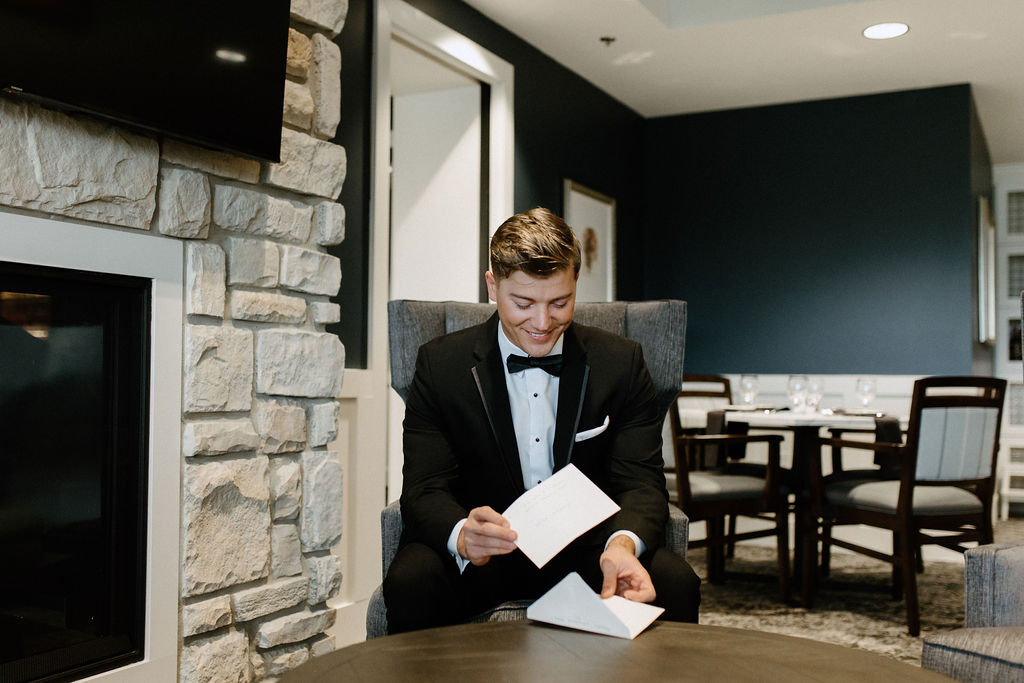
x=460, y=446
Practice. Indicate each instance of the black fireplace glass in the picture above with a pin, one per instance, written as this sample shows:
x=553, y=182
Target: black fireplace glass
x=74, y=357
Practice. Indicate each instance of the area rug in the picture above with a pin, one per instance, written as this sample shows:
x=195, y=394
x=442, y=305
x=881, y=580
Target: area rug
x=853, y=607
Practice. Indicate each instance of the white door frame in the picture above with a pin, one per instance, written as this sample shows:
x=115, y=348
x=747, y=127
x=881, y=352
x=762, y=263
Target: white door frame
x=363, y=419
x=413, y=26
x=462, y=54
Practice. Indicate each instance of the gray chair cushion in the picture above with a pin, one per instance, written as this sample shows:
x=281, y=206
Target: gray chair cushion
x=607, y=316
x=708, y=486
x=376, y=615
x=459, y=316
x=677, y=531
x=977, y=654
x=881, y=496
x=994, y=585
x=391, y=526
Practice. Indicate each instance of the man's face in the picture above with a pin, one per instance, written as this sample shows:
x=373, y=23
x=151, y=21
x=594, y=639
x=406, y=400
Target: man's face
x=534, y=311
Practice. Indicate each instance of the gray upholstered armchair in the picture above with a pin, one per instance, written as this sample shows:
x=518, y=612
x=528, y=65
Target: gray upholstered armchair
x=659, y=326
x=990, y=647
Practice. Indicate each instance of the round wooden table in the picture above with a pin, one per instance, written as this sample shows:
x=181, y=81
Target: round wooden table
x=667, y=651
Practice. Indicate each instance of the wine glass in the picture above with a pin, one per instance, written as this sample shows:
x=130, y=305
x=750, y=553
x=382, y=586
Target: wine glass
x=866, y=390
x=815, y=392
x=797, y=391
x=748, y=389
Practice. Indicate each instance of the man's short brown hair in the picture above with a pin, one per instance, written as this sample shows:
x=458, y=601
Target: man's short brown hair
x=537, y=242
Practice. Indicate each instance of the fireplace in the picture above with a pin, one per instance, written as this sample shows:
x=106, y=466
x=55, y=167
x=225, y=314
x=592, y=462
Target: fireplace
x=73, y=414
x=87, y=465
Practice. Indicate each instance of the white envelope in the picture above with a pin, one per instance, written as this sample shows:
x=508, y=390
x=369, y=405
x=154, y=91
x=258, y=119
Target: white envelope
x=571, y=603
x=552, y=514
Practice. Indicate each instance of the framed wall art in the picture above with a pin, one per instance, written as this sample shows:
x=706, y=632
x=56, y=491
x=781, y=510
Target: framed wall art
x=592, y=216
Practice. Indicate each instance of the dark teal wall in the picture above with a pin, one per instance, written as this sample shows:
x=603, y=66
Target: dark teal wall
x=833, y=236
x=565, y=127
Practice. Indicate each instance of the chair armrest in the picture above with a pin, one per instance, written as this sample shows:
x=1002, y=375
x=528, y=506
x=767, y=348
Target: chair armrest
x=730, y=438
x=837, y=432
x=677, y=531
x=700, y=442
x=877, y=446
x=391, y=526
x=993, y=581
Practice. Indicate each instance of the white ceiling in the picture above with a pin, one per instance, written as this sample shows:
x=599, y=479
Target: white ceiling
x=789, y=56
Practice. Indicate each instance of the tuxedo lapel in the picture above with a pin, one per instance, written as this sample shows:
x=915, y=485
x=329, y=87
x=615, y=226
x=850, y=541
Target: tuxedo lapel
x=572, y=386
x=489, y=375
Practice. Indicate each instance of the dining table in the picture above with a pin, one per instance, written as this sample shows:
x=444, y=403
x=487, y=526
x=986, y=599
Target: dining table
x=806, y=426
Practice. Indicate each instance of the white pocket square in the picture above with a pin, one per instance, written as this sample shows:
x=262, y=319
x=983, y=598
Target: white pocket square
x=591, y=433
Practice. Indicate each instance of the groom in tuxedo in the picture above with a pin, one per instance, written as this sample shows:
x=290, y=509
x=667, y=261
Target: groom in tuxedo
x=497, y=408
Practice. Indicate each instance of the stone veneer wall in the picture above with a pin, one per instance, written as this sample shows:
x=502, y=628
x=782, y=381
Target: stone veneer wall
x=261, y=493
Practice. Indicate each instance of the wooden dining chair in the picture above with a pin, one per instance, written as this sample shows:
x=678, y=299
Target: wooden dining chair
x=708, y=394
x=712, y=495
x=703, y=393
x=946, y=479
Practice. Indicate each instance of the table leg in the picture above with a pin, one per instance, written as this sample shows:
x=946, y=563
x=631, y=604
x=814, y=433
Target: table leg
x=805, y=533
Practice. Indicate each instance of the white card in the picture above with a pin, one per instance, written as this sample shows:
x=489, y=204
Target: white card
x=571, y=603
x=552, y=514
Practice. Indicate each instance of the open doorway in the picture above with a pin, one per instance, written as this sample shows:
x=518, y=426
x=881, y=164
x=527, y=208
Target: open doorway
x=438, y=178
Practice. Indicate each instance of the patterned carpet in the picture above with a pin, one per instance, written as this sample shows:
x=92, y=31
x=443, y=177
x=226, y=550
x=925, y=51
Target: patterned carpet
x=853, y=607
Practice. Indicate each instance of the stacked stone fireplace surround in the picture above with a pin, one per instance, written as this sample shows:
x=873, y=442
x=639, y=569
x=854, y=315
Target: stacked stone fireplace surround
x=261, y=491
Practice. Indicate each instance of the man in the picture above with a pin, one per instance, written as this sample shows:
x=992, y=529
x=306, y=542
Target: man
x=482, y=425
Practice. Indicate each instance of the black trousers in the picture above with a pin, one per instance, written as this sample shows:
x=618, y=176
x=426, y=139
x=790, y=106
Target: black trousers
x=423, y=589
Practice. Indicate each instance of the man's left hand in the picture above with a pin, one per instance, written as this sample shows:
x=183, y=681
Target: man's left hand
x=623, y=573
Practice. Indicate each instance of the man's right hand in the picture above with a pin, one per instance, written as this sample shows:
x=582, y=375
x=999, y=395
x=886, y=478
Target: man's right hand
x=485, y=533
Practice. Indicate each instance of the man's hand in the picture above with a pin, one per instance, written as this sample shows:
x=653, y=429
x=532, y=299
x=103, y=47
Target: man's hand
x=485, y=533
x=623, y=573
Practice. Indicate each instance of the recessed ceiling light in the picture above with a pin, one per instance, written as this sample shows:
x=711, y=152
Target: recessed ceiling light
x=230, y=55
x=884, y=31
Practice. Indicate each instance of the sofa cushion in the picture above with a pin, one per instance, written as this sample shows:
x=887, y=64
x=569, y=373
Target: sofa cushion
x=977, y=654
x=988, y=571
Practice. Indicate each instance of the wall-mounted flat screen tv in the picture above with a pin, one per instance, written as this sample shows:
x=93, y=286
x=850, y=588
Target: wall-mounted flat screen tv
x=210, y=73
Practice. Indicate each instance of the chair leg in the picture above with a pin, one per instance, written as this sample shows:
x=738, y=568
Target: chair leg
x=897, y=571
x=730, y=546
x=782, y=536
x=826, y=547
x=907, y=550
x=986, y=528
x=715, y=561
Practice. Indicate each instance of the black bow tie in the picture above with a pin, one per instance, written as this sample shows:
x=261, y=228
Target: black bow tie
x=550, y=364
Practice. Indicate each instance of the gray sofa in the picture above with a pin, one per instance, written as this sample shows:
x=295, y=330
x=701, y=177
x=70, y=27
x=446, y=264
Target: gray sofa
x=990, y=647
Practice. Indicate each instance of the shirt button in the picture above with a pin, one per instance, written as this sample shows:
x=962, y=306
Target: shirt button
x=535, y=395
x=537, y=439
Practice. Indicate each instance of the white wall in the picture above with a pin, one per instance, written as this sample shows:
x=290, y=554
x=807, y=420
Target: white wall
x=435, y=201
